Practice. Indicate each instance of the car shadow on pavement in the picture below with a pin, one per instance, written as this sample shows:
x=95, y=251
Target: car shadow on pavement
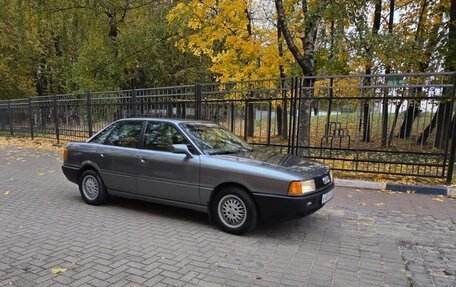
x=263, y=229
x=160, y=210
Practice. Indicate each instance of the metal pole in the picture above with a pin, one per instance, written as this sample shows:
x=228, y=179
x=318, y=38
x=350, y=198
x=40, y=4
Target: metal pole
x=269, y=122
x=10, y=117
x=133, y=102
x=30, y=117
x=89, y=114
x=453, y=140
x=246, y=118
x=56, y=120
x=198, y=105
x=232, y=117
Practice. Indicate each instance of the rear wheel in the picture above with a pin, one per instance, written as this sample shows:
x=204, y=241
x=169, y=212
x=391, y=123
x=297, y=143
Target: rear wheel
x=234, y=211
x=92, y=188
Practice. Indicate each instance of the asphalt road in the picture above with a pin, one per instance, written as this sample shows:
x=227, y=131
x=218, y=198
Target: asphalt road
x=361, y=238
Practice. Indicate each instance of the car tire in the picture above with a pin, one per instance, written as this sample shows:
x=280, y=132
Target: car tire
x=234, y=211
x=92, y=189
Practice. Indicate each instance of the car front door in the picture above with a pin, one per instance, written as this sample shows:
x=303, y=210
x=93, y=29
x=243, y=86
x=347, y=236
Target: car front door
x=162, y=173
x=118, y=157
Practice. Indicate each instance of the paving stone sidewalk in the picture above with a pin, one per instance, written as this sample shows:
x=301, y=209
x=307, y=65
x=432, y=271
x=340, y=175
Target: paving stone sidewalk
x=361, y=238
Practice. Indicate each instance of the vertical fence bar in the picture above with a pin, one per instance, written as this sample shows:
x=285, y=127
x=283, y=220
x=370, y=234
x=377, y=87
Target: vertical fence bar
x=449, y=176
x=10, y=118
x=198, y=101
x=133, y=103
x=385, y=113
x=170, y=110
x=232, y=117
x=56, y=120
x=269, y=122
x=89, y=114
x=246, y=118
x=30, y=117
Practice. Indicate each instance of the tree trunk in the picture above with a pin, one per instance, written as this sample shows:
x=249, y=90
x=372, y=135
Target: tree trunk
x=443, y=117
x=305, y=60
x=279, y=120
x=250, y=117
x=410, y=115
x=305, y=112
x=331, y=81
x=385, y=100
x=366, y=107
x=393, y=126
x=250, y=106
x=281, y=113
x=366, y=121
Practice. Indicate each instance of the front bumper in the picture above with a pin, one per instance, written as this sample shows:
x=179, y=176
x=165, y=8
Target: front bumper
x=273, y=207
x=71, y=173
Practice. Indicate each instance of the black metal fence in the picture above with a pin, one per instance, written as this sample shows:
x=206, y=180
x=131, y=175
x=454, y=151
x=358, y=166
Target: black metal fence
x=399, y=124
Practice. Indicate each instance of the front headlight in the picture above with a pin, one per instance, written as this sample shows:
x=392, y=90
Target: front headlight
x=301, y=187
x=308, y=186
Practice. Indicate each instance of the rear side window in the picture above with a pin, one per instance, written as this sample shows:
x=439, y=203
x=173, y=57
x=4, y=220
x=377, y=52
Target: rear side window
x=125, y=134
x=101, y=137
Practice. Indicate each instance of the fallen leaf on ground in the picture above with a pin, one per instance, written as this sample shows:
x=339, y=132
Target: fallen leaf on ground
x=380, y=204
x=6, y=193
x=439, y=199
x=39, y=173
x=358, y=189
x=58, y=270
x=350, y=195
x=387, y=191
x=361, y=203
x=410, y=191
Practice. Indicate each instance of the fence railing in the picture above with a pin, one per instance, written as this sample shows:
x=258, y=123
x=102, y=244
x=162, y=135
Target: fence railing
x=399, y=124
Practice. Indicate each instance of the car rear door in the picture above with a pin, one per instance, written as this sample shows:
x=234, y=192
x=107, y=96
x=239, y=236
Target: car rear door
x=118, y=156
x=163, y=174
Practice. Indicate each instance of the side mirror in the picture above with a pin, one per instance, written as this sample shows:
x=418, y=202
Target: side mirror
x=181, y=148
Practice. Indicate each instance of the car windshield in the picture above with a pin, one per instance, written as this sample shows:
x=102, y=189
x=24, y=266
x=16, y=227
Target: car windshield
x=213, y=139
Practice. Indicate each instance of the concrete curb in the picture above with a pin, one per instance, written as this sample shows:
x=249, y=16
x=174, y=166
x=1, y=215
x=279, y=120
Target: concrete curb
x=422, y=189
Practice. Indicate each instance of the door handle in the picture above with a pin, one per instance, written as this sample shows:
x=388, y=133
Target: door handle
x=102, y=155
x=142, y=160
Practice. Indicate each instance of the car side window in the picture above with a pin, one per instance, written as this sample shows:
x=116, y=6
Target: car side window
x=125, y=134
x=101, y=137
x=161, y=136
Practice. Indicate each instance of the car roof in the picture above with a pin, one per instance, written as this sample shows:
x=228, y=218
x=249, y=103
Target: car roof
x=169, y=120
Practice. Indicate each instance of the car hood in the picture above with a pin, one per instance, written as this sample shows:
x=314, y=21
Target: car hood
x=291, y=164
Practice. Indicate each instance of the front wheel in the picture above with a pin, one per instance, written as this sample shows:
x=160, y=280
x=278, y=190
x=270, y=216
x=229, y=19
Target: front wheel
x=234, y=211
x=92, y=188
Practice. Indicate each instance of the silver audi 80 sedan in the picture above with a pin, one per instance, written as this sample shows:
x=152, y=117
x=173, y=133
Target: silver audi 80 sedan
x=197, y=165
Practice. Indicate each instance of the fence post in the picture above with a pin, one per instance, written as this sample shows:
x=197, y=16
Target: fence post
x=246, y=119
x=89, y=114
x=232, y=117
x=198, y=102
x=10, y=117
x=453, y=139
x=269, y=122
x=56, y=120
x=30, y=116
x=133, y=102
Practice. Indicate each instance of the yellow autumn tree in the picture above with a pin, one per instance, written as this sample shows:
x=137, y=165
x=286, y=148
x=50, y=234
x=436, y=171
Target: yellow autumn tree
x=240, y=42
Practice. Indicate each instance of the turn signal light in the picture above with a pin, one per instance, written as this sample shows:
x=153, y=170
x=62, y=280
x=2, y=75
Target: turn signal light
x=295, y=188
x=65, y=154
